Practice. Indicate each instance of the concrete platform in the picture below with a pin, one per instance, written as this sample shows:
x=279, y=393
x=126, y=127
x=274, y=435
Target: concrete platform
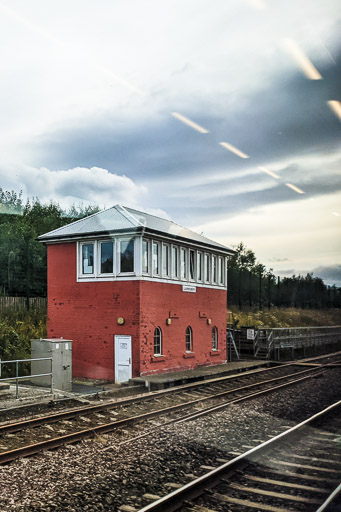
x=166, y=380
x=4, y=389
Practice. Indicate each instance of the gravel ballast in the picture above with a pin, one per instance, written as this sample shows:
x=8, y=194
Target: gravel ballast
x=102, y=475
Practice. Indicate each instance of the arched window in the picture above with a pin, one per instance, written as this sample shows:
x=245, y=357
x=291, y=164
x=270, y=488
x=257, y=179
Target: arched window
x=189, y=339
x=157, y=342
x=214, y=338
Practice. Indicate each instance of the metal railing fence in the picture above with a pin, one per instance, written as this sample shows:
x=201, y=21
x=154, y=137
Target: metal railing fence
x=18, y=377
x=269, y=343
x=276, y=339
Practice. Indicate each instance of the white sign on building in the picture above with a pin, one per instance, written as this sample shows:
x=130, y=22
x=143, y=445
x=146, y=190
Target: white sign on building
x=189, y=288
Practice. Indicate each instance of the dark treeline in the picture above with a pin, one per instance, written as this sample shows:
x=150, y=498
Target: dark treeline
x=251, y=285
x=23, y=264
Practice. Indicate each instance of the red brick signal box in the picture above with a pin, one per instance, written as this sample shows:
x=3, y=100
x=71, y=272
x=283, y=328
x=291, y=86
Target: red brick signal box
x=137, y=294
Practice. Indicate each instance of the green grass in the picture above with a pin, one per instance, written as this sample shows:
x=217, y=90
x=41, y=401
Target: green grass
x=286, y=317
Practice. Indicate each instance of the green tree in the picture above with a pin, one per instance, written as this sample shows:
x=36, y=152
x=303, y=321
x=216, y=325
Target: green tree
x=10, y=201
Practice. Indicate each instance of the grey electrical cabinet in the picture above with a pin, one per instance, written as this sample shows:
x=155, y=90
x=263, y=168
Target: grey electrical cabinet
x=61, y=352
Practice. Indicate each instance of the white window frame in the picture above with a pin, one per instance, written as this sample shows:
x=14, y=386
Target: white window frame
x=201, y=258
x=221, y=270
x=194, y=278
x=99, y=257
x=149, y=263
x=214, y=261
x=160, y=337
x=159, y=245
x=80, y=266
x=184, y=277
x=207, y=276
x=168, y=269
x=176, y=265
x=119, y=272
x=190, y=350
x=200, y=266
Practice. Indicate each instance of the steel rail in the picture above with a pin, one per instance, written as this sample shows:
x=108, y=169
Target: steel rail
x=209, y=410
x=190, y=491
x=10, y=455
x=73, y=413
x=150, y=395
x=145, y=397
x=330, y=499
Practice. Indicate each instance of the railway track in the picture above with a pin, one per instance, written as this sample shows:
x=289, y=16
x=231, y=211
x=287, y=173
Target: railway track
x=227, y=382
x=210, y=386
x=298, y=470
x=190, y=401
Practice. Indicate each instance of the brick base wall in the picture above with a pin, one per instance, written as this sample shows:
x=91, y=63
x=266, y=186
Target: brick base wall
x=160, y=301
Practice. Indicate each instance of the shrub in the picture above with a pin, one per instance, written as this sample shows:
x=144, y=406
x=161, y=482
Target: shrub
x=16, y=331
x=286, y=317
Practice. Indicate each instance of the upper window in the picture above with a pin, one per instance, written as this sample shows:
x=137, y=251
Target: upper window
x=214, y=338
x=192, y=265
x=221, y=271
x=156, y=269
x=157, y=342
x=87, y=258
x=114, y=258
x=145, y=256
x=214, y=269
x=183, y=263
x=207, y=268
x=175, y=263
x=189, y=339
x=127, y=255
x=199, y=266
x=107, y=260
x=165, y=260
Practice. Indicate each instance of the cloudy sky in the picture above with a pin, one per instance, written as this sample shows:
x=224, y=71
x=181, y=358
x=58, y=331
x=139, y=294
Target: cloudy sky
x=130, y=101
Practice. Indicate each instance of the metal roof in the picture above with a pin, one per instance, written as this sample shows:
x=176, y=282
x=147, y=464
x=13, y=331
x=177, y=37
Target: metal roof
x=121, y=219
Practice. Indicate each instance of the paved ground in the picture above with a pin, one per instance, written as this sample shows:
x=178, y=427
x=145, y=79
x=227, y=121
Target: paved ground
x=80, y=387
x=201, y=373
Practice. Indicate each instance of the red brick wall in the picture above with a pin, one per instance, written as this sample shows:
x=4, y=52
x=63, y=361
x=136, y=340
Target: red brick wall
x=160, y=299
x=87, y=314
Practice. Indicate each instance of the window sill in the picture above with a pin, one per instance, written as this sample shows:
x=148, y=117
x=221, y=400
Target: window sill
x=157, y=359
x=188, y=355
x=215, y=352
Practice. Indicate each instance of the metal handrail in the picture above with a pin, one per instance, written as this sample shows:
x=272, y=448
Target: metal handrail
x=270, y=341
x=25, y=377
x=306, y=328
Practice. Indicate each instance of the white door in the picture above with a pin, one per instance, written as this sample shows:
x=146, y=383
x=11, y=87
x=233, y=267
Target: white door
x=122, y=358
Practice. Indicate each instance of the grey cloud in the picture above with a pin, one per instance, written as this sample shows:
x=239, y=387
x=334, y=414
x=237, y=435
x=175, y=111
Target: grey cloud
x=296, y=108
x=330, y=274
x=287, y=119
x=277, y=260
x=287, y=272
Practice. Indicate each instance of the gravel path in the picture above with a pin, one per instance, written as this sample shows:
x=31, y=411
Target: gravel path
x=101, y=475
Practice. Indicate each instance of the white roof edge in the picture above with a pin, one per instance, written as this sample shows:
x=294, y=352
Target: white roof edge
x=129, y=215
x=75, y=222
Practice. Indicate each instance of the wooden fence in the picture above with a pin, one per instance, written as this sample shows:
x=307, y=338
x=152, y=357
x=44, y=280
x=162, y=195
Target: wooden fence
x=20, y=303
